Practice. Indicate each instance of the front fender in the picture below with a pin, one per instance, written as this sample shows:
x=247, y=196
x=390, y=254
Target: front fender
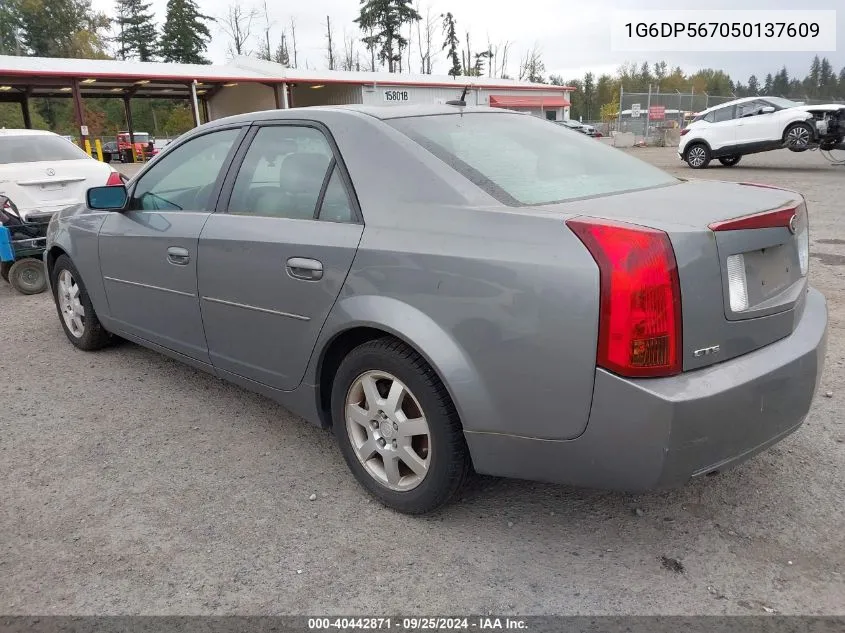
x=418, y=330
x=75, y=231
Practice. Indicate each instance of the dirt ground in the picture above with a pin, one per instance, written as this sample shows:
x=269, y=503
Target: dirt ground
x=134, y=484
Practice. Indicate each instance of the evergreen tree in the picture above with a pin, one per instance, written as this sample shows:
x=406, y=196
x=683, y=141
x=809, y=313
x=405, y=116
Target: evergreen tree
x=136, y=30
x=780, y=84
x=61, y=28
x=185, y=36
x=827, y=79
x=385, y=20
x=753, y=86
x=767, y=87
x=451, y=44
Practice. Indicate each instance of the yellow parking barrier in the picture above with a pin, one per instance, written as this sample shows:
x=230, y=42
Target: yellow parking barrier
x=99, y=146
x=88, y=148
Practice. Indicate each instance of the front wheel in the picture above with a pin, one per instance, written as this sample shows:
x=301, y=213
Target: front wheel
x=798, y=137
x=730, y=161
x=698, y=156
x=397, y=427
x=27, y=276
x=76, y=313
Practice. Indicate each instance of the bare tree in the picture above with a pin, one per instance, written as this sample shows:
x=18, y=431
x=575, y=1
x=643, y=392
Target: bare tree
x=350, y=53
x=331, y=55
x=503, y=68
x=425, y=36
x=531, y=68
x=237, y=25
x=466, y=58
x=265, y=52
x=293, y=41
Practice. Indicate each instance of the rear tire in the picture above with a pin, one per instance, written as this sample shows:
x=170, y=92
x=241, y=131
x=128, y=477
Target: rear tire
x=76, y=313
x=429, y=461
x=798, y=137
x=4, y=270
x=27, y=276
x=698, y=156
x=730, y=161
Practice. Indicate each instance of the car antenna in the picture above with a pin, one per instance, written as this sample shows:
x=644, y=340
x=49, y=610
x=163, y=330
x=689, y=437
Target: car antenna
x=461, y=101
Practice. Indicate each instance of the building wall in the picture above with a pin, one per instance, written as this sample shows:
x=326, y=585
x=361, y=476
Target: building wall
x=246, y=97
x=304, y=95
x=251, y=97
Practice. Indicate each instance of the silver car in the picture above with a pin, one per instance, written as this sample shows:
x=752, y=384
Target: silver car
x=452, y=288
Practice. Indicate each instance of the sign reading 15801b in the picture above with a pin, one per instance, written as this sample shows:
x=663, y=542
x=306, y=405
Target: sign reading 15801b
x=396, y=95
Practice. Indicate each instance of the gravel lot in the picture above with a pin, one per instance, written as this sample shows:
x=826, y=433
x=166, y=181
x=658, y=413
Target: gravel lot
x=134, y=484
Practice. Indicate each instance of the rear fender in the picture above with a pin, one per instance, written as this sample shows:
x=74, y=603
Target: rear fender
x=415, y=328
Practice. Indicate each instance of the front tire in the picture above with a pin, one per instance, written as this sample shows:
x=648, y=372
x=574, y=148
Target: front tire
x=76, y=313
x=27, y=276
x=798, y=137
x=698, y=156
x=730, y=161
x=397, y=427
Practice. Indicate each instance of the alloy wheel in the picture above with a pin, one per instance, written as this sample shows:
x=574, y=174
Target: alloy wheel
x=696, y=156
x=799, y=136
x=388, y=430
x=70, y=305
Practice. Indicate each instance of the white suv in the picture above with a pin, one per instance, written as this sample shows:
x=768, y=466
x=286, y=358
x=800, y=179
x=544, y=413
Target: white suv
x=755, y=124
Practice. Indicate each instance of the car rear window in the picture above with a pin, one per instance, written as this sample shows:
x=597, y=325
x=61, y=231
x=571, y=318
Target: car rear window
x=36, y=148
x=524, y=160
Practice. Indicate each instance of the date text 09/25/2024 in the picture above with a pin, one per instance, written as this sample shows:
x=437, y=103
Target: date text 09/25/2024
x=418, y=623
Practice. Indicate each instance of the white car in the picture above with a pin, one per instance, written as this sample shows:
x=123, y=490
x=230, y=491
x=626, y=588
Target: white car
x=41, y=172
x=759, y=124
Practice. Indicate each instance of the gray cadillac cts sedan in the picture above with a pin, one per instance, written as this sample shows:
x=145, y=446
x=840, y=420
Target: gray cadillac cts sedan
x=451, y=288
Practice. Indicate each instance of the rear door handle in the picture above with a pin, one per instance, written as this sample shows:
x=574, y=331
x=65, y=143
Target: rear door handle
x=305, y=268
x=179, y=256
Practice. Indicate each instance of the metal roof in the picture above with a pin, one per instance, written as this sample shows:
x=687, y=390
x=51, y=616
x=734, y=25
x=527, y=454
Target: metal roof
x=272, y=69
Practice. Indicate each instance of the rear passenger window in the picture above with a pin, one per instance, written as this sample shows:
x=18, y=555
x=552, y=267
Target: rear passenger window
x=723, y=114
x=282, y=174
x=336, y=207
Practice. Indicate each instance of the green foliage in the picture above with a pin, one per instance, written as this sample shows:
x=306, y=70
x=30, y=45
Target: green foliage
x=384, y=20
x=180, y=120
x=185, y=36
x=11, y=117
x=60, y=28
x=137, y=37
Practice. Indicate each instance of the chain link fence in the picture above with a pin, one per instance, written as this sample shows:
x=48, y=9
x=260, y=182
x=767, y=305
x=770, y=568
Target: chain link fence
x=648, y=115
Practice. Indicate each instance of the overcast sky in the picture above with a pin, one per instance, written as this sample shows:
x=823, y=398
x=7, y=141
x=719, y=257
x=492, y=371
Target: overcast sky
x=574, y=37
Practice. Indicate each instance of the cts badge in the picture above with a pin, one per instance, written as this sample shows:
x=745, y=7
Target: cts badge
x=706, y=351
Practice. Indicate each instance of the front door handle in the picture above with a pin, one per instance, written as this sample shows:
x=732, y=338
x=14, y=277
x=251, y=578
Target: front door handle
x=179, y=256
x=305, y=268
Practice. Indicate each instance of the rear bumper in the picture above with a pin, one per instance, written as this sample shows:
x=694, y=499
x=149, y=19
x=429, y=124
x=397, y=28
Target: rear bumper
x=655, y=433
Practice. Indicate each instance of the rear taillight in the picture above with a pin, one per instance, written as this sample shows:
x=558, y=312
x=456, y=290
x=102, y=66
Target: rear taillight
x=684, y=131
x=640, y=305
x=114, y=180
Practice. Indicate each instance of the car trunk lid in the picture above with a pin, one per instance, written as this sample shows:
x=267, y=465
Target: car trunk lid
x=51, y=184
x=741, y=253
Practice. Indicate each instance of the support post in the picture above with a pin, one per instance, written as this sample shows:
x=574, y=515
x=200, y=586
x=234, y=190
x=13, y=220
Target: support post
x=285, y=100
x=127, y=109
x=194, y=104
x=277, y=96
x=27, y=117
x=79, y=112
x=205, y=114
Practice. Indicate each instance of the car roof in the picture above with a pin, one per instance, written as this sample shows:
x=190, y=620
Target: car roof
x=377, y=112
x=24, y=132
x=731, y=103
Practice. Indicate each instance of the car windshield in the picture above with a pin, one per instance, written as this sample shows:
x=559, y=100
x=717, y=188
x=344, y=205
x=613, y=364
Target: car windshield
x=781, y=102
x=140, y=137
x=35, y=148
x=523, y=160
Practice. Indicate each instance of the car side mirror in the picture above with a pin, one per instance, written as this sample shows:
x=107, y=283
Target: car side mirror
x=767, y=109
x=112, y=198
